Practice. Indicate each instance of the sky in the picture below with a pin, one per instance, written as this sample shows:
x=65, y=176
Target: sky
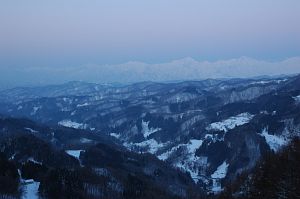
x=42, y=38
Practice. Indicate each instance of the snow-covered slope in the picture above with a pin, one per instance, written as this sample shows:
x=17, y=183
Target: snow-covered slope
x=275, y=142
x=30, y=189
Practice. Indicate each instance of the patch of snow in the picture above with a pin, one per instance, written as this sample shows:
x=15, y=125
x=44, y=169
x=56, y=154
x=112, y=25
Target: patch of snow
x=85, y=140
x=221, y=171
x=31, y=130
x=34, y=161
x=151, y=145
x=187, y=162
x=194, y=145
x=262, y=82
x=35, y=109
x=30, y=189
x=70, y=124
x=190, y=162
x=269, y=81
x=82, y=105
x=231, y=122
x=68, y=100
x=184, y=166
x=166, y=155
x=214, y=138
x=216, y=186
x=275, y=142
x=297, y=99
x=74, y=153
x=115, y=135
x=264, y=112
x=281, y=80
x=146, y=130
x=207, y=136
x=73, y=113
x=53, y=139
x=12, y=157
x=20, y=107
x=219, y=174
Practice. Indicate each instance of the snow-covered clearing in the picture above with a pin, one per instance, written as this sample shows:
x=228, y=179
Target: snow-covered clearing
x=146, y=130
x=275, y=142
x=152, y=146
x=191, y=146
x=30, y=189
x=190, y=162
x=231, y=122
x=221, y=171
x=74, y=153
x=219, y=174
x=70, y=124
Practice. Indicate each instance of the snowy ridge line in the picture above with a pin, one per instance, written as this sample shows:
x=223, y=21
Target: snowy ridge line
x=30, y=130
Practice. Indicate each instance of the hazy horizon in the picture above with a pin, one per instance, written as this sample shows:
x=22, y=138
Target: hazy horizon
x=131, y=72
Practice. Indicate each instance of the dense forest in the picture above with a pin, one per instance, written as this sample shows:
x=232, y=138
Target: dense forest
x=275, y=176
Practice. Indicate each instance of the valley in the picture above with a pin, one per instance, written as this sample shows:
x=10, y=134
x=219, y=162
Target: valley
x=186, y=139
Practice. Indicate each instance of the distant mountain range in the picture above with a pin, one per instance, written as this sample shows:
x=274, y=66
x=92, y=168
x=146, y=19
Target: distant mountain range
x=130, y=72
